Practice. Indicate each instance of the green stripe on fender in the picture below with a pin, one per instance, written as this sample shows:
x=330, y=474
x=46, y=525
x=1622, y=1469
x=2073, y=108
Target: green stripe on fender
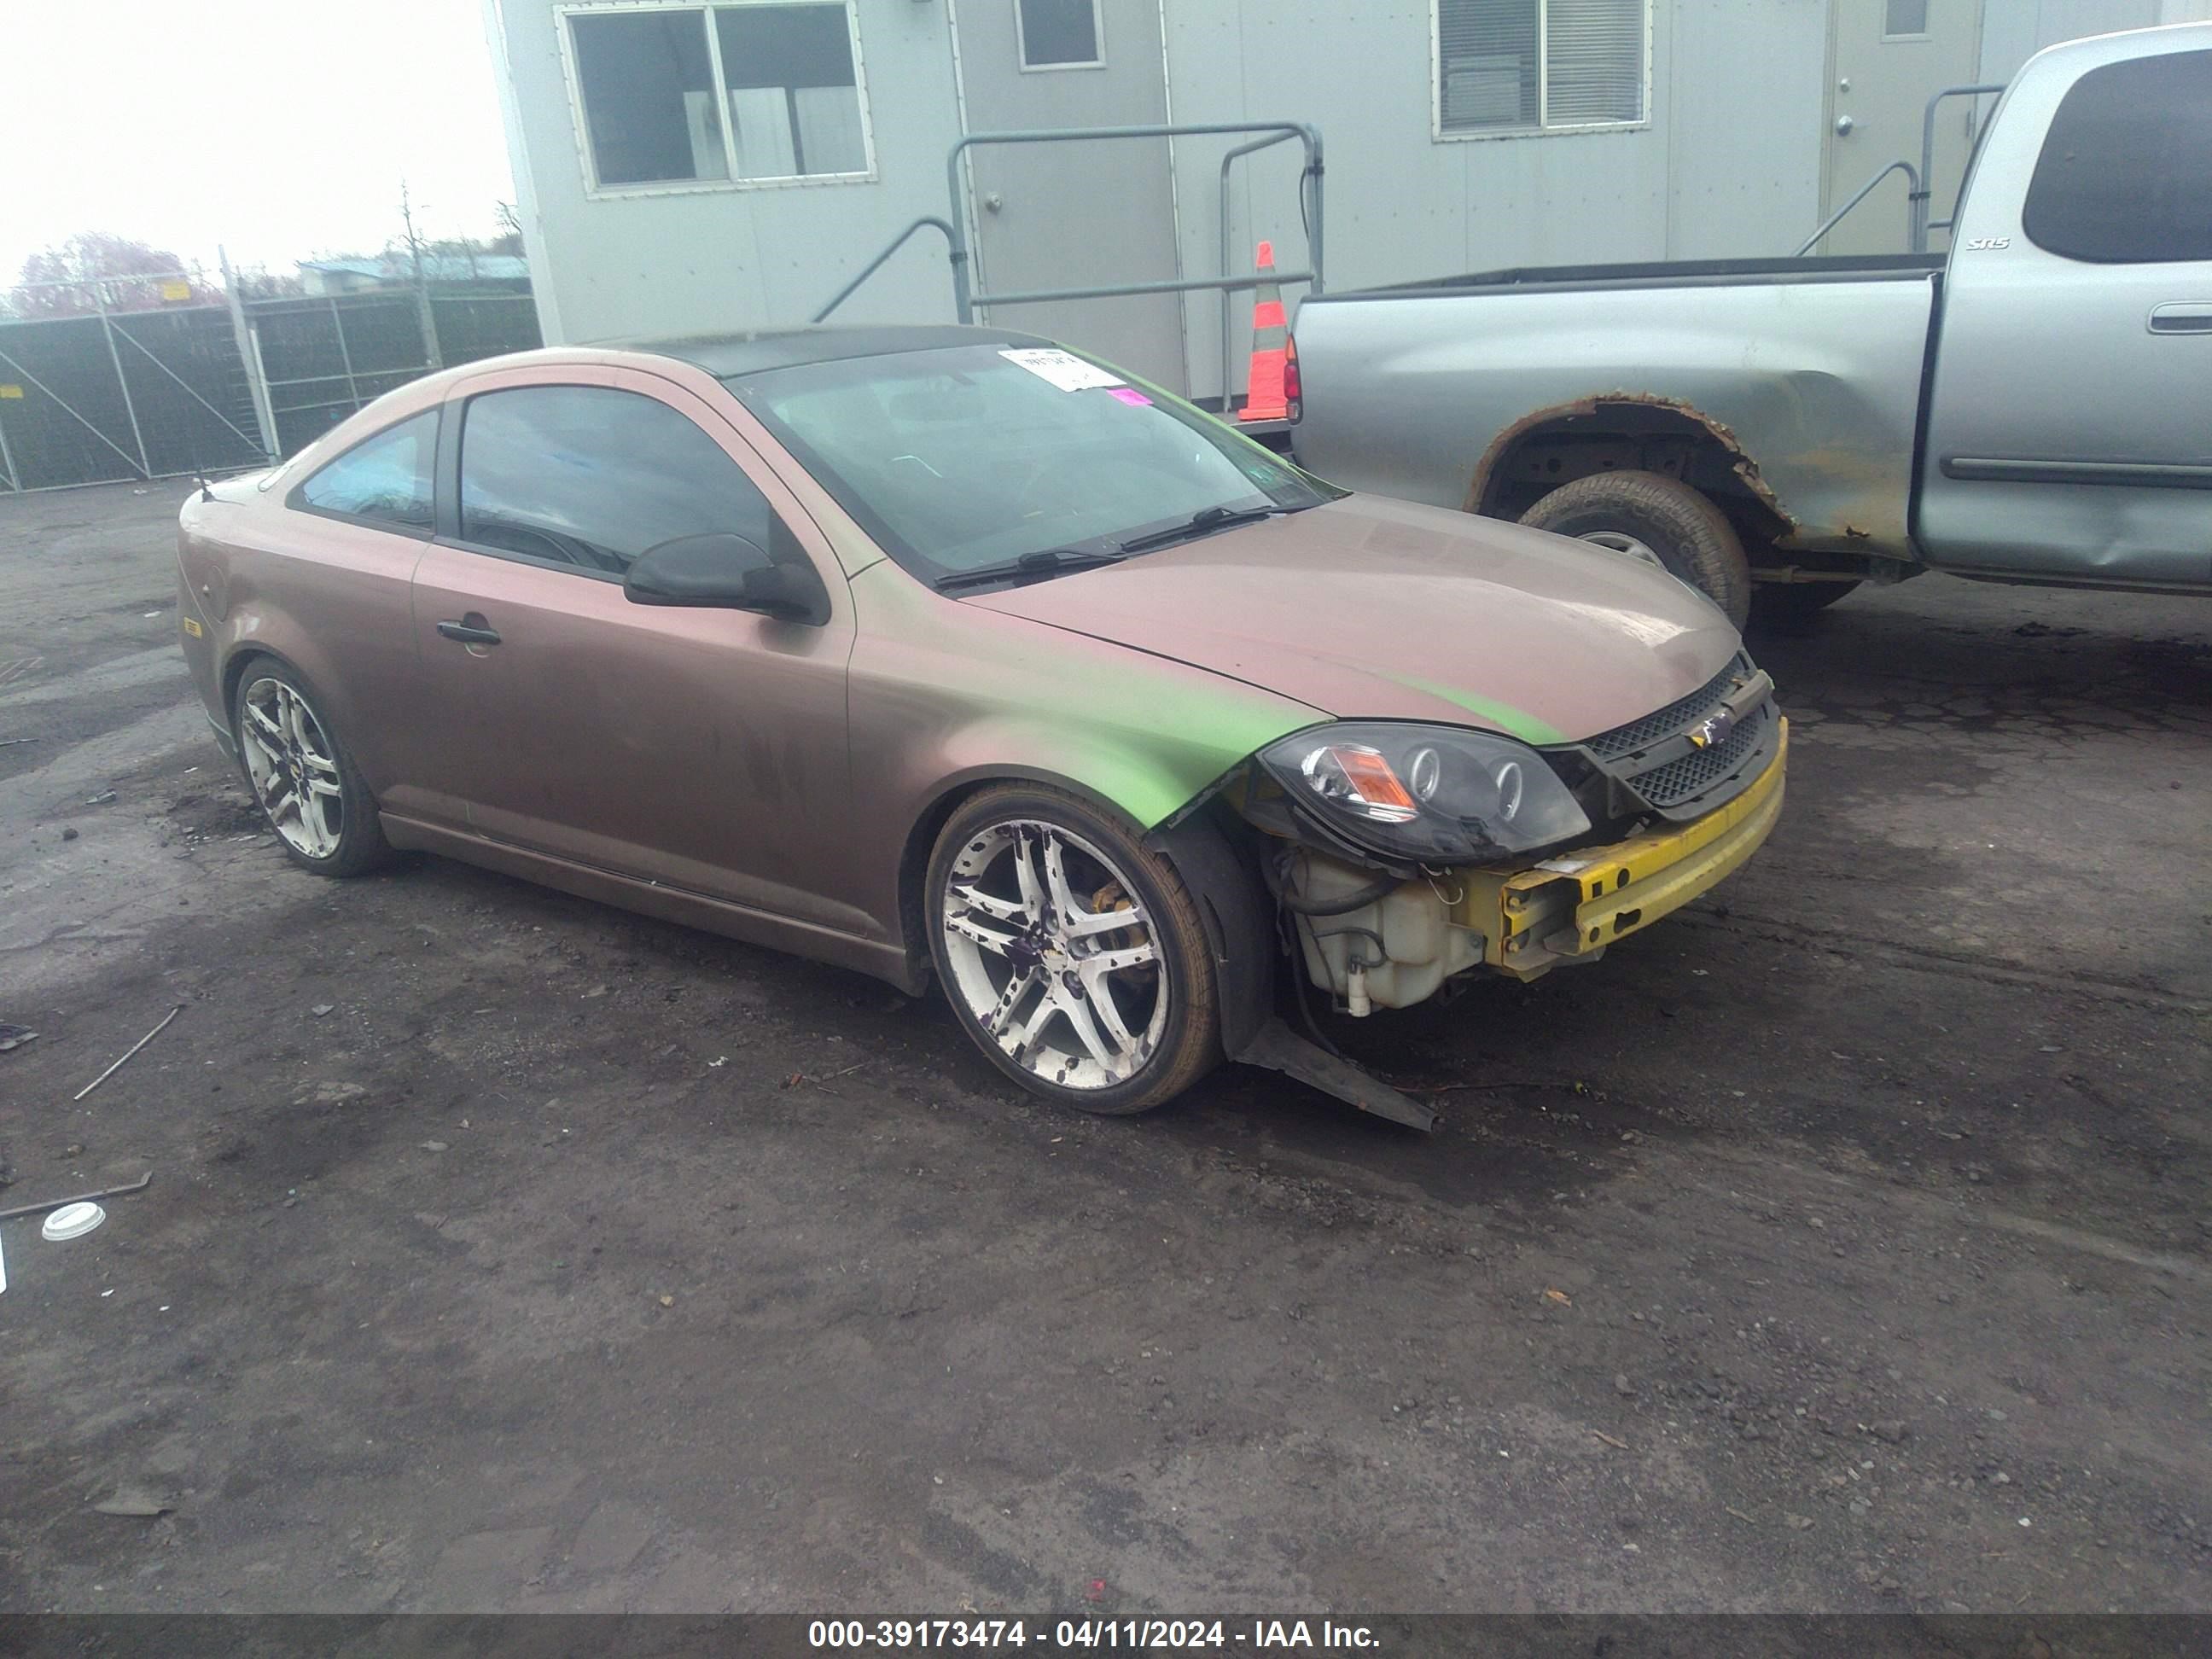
x=1504, y=716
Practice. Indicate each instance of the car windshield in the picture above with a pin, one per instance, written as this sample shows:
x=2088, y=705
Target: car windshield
x=970, y=458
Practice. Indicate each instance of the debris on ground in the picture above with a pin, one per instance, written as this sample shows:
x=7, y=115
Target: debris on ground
x=72, y=1221
x=322, y=1008
x=123, y=1191
x=14, y=1037
x=101, y=799
x=131, y=1051
x=134, y=1501
x=799, y=1079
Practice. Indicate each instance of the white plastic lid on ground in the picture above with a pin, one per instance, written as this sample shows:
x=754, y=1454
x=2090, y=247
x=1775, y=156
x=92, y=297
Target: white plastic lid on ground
x=72, y=1221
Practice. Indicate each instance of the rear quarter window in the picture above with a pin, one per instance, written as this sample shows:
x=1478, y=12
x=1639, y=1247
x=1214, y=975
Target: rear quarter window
x=383, y=481
x=2125, y=175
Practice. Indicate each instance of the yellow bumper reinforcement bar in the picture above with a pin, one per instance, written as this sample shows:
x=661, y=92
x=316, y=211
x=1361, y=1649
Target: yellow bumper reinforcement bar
x=1575, y=905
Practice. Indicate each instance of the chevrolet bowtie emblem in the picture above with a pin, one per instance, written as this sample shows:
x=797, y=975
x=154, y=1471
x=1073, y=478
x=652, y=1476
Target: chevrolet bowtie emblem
x=1706, y=734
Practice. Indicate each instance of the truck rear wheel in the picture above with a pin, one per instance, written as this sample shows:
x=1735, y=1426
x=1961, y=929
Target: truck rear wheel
x=1682, y=528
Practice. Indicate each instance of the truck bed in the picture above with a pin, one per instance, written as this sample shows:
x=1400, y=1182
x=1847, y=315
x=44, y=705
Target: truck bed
x=1411, y=392
x=1668, y=273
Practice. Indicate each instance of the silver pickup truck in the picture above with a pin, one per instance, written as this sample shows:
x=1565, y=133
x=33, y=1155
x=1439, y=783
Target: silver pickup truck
x=2034, y=407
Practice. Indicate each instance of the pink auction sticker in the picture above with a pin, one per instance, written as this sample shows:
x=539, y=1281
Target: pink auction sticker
x=1128, y=394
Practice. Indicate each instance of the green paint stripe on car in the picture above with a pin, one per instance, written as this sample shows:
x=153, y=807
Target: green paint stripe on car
x=1507, y=718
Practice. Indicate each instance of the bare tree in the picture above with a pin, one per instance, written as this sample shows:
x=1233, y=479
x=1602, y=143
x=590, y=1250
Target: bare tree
x=94, y=269
x=410, y=239
x=509, y=239
x=260, y=284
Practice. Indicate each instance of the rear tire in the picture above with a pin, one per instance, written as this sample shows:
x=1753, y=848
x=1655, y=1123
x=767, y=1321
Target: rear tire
x=1787, y=607
x=301, y=776
x=1687, y=534
x=1116, y=1017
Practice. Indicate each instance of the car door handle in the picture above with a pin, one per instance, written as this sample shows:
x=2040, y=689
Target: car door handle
x=471, y=629
x=2182, y=317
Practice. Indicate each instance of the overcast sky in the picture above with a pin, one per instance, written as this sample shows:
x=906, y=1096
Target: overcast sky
x=279, y=128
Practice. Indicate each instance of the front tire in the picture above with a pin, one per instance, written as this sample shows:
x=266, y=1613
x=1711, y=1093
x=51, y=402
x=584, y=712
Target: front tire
x=1073, y=956
x=301, y=776
x=1663, y=516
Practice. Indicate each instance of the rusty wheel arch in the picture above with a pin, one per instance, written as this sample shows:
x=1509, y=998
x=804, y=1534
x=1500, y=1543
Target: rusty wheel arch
x=1491, y=474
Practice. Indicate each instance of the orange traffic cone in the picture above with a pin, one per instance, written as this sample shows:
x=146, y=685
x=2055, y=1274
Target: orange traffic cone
x=1267, y=398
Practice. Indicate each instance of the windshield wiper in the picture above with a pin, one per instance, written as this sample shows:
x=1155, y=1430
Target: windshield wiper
x=1206, y=518
x=1045, y=561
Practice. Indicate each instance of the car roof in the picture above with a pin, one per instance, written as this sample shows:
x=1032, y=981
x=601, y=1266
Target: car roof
x=726, y=355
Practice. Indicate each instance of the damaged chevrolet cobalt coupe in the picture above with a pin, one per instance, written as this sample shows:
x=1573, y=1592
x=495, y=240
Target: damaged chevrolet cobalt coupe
x=943, y=652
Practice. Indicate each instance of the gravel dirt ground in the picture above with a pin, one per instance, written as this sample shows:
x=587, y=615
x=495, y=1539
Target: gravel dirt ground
x=1840, y=1244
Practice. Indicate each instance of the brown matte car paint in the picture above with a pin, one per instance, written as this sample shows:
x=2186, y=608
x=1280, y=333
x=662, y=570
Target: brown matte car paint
x=1401, y=612
x=779, y=782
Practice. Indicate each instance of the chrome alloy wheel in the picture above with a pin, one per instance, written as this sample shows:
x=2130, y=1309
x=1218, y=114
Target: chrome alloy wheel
x=1053, y=956
x=295, y=775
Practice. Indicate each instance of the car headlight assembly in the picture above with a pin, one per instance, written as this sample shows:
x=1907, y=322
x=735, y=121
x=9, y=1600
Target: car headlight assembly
x=1436, y=794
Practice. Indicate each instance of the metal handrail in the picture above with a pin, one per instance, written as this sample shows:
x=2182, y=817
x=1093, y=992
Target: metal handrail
x=1921, y=225
x=1228, y=360
x=1115, y=291
x=1912, y=176
x=965, y=301
x=952, y=243
x=1921, y=180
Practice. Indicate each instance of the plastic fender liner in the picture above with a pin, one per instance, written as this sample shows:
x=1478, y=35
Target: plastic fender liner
x=1239, y=919
x=1239, y=916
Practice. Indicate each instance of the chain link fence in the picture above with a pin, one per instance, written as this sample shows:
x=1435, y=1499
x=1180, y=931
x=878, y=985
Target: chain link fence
x=167, y=375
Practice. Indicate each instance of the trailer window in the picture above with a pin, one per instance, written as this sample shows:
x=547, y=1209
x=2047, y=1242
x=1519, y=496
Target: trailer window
x=670, y=96
x=1905, y=20
x=2122, y=178
x=1056, y=34
x=1509, y=66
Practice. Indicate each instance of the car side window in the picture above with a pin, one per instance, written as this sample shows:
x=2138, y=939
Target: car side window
x=384, y=479
x=2122, y=178
x=590, y=477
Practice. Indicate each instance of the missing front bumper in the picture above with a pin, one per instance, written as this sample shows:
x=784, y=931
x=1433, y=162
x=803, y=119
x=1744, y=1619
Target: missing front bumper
x=1569, y=908
x=1401, y=949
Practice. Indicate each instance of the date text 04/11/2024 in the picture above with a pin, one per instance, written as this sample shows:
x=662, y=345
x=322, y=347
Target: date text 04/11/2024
x=897, y=1635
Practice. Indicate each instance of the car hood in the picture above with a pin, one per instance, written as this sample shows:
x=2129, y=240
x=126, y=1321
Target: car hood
x=1371, y=608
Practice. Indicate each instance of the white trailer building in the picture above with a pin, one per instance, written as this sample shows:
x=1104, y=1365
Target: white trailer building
x=708, y=165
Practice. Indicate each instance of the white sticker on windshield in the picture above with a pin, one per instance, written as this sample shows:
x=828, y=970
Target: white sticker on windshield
x=1068, y=372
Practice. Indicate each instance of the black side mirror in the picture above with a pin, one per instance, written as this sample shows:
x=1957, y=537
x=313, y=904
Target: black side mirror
x=730, y=573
